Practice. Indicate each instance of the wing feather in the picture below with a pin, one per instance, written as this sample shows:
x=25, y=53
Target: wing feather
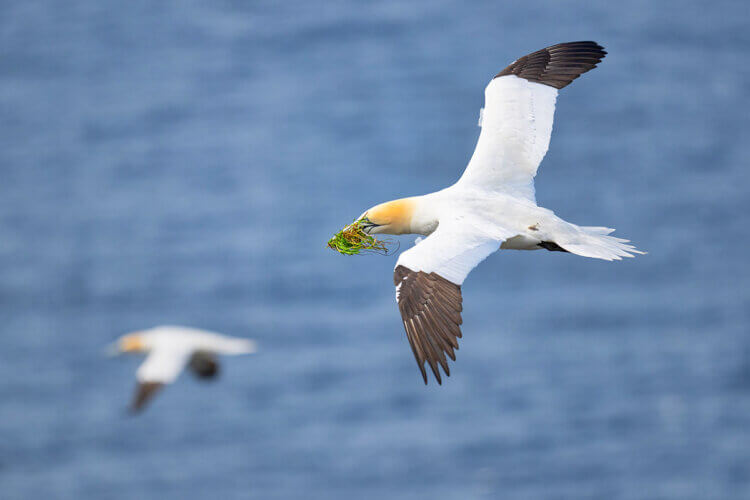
x=422, y=320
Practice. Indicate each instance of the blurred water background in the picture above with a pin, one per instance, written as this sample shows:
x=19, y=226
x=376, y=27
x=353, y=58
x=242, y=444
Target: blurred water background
x=185, y=163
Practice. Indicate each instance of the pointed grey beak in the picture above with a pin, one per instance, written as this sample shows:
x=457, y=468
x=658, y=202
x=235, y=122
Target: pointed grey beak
x=367, y=225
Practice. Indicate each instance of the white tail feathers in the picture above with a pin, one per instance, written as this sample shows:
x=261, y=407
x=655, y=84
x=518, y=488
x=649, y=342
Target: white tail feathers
x=594, y=242
x=597, y=229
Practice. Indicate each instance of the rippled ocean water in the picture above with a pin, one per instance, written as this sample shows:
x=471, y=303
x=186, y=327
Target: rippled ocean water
x=185, y=163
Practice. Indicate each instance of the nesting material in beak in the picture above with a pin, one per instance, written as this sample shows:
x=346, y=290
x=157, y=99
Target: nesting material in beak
x=353, y=239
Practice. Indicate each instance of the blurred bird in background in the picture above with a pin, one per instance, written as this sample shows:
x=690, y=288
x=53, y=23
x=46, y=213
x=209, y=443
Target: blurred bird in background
x=169, y=349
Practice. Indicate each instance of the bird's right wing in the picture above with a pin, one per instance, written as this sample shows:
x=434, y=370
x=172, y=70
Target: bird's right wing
x=428, y=280
x=517, y=117
x=162, y=366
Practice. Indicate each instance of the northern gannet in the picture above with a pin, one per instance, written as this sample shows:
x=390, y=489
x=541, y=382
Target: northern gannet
x=492, y=206
x=169, y=349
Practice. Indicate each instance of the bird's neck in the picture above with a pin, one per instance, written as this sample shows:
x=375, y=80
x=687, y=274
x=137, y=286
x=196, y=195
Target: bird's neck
x=422, y=215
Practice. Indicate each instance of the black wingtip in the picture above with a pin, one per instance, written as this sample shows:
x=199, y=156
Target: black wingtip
x=557, y=65
x=143, y=393
x=430, y=307
x=436, y=373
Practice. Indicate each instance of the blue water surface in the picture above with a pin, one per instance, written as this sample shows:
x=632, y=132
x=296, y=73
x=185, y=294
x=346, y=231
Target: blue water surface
x=185, y=163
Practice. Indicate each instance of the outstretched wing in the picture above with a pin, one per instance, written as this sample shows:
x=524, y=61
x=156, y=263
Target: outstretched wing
x=518, y=113
x=428, y=280
x=162, y=366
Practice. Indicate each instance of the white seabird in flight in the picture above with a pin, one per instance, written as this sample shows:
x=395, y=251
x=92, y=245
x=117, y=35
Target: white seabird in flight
x=169, y=349
x=491, y=207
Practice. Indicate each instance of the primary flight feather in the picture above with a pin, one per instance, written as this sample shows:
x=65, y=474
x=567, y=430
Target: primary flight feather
x=491, y=207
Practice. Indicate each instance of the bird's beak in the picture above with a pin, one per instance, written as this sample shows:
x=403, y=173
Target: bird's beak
x=366, y=224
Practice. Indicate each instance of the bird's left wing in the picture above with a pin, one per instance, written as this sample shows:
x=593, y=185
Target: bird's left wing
x=162, y=366
x=428, y=280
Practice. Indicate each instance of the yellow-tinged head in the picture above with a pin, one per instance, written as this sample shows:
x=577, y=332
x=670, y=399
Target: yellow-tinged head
x=392, y=217
x=132, y=343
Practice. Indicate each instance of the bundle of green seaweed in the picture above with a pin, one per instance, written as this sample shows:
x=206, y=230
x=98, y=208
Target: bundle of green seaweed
x=353, y=239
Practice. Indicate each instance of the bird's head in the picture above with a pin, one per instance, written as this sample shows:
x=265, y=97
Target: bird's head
x=392, y=217
x=131, y=343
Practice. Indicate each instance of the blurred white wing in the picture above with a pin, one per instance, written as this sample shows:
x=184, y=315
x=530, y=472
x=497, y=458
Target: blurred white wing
x=518, y=114
x=163, y=365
